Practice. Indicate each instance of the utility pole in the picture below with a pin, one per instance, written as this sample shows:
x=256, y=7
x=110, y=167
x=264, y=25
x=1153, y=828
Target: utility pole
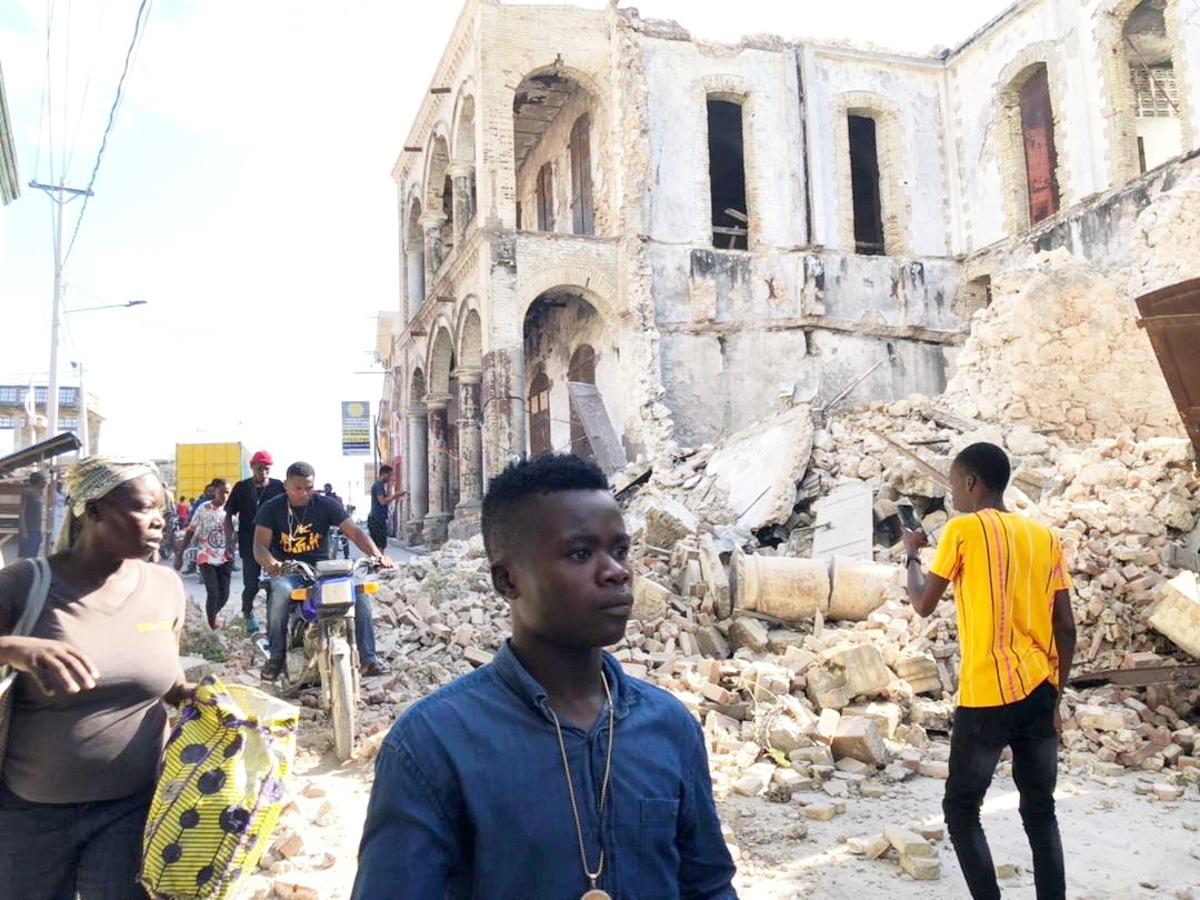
x=60, y=195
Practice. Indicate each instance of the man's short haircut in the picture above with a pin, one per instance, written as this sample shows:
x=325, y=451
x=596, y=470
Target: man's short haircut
x=385, y=470
x=549, y=473
x=220, y=482
x=988, y=463
x=301, y=470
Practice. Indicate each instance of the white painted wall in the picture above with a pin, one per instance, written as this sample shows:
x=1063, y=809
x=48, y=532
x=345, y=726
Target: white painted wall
x=679, y=76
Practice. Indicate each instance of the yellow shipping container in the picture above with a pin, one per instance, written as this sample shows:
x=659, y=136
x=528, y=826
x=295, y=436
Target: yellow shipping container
x=196, y=465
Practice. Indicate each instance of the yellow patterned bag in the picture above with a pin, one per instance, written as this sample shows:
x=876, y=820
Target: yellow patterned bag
x=220, y=793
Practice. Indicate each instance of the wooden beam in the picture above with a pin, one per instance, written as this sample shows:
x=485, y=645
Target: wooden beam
x=439, y=90
x=413, y=149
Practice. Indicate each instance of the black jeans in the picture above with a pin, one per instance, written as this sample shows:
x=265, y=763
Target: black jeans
x=378, y=530
x=55, y=851
x=250, y=575
x=216, y=585
x=980, y=735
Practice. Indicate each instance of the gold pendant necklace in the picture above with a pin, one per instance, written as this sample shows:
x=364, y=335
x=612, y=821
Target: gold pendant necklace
x=594, y=893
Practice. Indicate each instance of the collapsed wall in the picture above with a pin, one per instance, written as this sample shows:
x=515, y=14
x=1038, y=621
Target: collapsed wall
x=1059, y=349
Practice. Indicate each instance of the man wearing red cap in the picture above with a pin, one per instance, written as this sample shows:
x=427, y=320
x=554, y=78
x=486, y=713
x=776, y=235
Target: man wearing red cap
x=247, y=496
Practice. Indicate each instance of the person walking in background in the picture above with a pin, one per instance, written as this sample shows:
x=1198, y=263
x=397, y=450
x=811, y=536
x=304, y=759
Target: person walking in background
x=381, y=500
x=214, y=556
x=243, y=504
x=1017, y=635
x=182, y=509
x=89, y=717
x=33, y=510
x=201, y=500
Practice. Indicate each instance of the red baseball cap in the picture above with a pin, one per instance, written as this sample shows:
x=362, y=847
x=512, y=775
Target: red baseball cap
x=262, y=457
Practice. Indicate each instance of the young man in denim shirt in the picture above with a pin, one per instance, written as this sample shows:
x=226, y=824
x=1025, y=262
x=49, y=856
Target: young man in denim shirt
x=548, y=773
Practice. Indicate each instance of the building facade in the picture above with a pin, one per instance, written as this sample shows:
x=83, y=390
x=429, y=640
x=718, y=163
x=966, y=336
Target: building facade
x=616, y=239
x=28, y=420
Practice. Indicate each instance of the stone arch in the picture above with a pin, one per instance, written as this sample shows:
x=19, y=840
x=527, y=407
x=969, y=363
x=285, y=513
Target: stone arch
x=440, y=361
x=1116, y=59
x=1007, y=142
x=895, y=168
x=414, y=253
x=470, y=337
x=416, y=387
x=463, y=148
x=439, y=208
x=548, y=101
x=590, y=285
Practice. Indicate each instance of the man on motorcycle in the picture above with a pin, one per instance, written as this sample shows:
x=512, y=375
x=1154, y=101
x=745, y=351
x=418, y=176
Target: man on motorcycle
x=295, y=526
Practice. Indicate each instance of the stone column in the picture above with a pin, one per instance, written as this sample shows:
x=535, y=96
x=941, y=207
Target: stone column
x=434, y=252
x=470, y=444
x=415, y=266
x=504, y=403
x=438, y=518
x=418, y=486
x=460, y=174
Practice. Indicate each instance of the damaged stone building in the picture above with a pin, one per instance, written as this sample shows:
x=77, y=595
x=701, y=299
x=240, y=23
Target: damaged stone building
x=617, y=239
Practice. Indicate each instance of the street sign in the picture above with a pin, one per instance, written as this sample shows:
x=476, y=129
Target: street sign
x=356, y=428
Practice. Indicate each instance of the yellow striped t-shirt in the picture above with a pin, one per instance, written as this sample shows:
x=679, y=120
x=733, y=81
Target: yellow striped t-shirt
x=1006, y=570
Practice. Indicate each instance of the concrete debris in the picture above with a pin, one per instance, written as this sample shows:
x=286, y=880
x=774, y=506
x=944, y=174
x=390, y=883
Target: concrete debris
x=1177, y=612
x=758, y=469
x=908, y=843
x=859, y=737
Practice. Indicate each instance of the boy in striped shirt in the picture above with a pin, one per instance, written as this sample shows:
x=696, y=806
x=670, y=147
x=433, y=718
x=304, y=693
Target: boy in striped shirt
x=1017, y=637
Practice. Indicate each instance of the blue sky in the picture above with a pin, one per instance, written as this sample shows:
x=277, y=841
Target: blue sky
x=246, y=196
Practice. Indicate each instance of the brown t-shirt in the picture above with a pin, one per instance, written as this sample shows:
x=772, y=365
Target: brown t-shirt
x=105, y=743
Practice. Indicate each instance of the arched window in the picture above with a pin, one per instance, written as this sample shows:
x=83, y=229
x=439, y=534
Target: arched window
x=539, y=415
x=582, y=370
x=583, y=217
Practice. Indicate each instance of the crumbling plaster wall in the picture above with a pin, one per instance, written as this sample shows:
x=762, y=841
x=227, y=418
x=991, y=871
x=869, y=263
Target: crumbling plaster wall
x=1049, y=32
x=904, y=97
x=679, y=77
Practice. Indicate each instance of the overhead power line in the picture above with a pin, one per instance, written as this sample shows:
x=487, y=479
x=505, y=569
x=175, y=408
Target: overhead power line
x=138, y=27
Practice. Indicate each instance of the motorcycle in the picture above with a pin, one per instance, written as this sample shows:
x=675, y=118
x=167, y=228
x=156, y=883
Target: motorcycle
x=323, y=632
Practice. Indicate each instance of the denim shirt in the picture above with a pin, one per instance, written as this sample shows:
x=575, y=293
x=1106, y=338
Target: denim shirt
x=470, y=798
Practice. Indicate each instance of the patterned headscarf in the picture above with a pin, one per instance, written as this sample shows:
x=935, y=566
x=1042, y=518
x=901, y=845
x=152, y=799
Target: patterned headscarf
x=93, y=478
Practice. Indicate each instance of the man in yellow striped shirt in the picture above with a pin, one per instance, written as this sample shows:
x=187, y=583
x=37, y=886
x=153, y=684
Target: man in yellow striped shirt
x=1017, y=639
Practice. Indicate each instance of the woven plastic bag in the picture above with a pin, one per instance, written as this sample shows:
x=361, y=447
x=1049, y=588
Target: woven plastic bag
x=220, y=793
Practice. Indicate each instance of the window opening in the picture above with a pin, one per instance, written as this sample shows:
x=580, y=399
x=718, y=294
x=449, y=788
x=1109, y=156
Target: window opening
x=864, y=186
x=1155, y=91
x=581, y=177
x=1041, y=157
x=545, y=198
x=727, y=175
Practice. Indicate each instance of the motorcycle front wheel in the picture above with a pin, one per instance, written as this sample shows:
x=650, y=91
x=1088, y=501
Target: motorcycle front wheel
x=343, y=707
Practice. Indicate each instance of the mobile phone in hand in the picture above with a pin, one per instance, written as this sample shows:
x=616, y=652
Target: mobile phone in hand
x=908, y=517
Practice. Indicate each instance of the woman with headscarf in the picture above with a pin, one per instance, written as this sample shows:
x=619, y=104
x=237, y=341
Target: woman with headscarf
x=89, y=716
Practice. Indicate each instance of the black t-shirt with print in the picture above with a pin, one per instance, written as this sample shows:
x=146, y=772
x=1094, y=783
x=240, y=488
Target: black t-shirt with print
x=300, y=534
x=244, y=502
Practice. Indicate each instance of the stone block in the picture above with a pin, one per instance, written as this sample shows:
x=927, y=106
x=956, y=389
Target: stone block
x=1165, y=791
x=907, y=842
x=866, y=674
x=1106, y=718
x=921, y=673
x=716, y=578
x=786, y=734
x=1176, y=614
x=820, y=812
x=747, y=632
x=932, y=715
x=935, y=768
x=859, y=738
x=852, y=766
x=667, y=522
x=650, y=600
x=872, y=790
x=1004, y=871
x=921, y=868
x=827, y=724
x=195, y=667
x=712, y=643
x=875, y=847
x=781, y=640
x=797, y=659
x=827, y=688
x=888, y=715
